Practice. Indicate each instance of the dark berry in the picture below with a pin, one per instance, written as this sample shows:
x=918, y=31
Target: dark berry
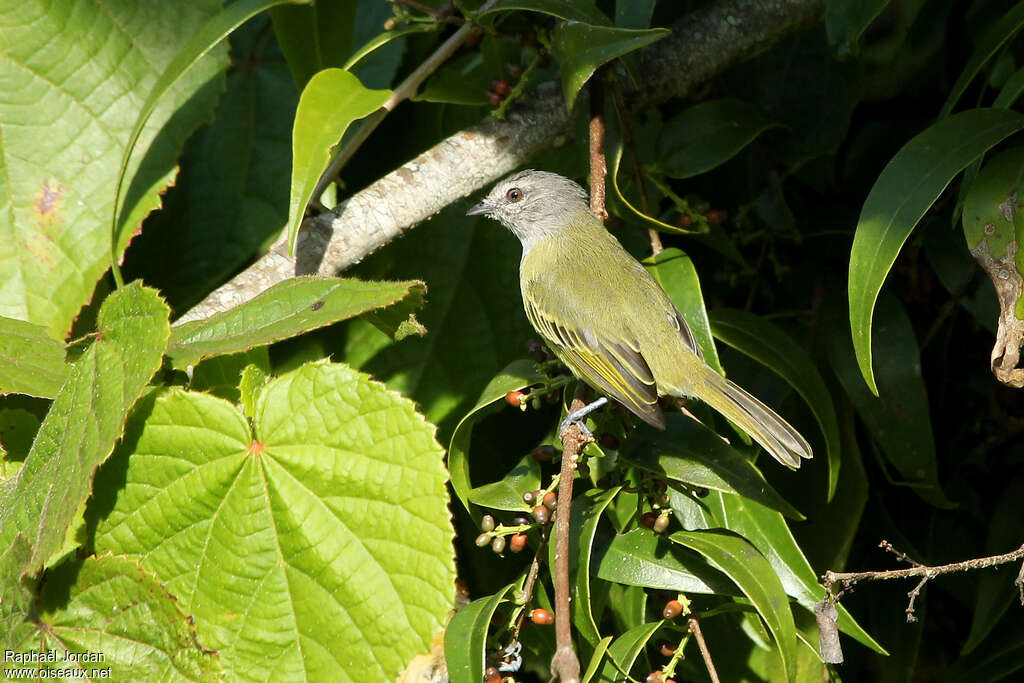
x=684, y=221
x=648, y=519
x=715, y=216
x=514, y=70
x=500, y=86
x=475, y=36
x=494, y=98
x=608, y=441
x=673, y=608
x=520, y=521
x=666, y=648
x=550, y=500
x=543, y=453
x=541, y=514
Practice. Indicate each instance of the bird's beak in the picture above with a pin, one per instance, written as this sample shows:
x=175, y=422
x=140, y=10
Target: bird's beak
x=481, y=209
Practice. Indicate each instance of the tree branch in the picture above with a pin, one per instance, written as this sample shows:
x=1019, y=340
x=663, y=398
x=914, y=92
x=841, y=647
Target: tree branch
x=703, y=44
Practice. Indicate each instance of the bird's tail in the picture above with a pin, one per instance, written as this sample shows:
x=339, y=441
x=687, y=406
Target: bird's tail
x=755, y=418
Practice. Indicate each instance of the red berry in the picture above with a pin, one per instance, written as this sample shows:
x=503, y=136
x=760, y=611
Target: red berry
x=608, y=441
x=654, y=677
x=541, y=514
x=517, y=542
x=550, y=500
x=666, y=648
x=500, y=86
x=648, y=519
x=673, y=608
x=715, y=216
x=684, y=221
x=515, y=398
x=514, y=70
x=542, y=617
x=494, y=98
x=492, y=675
x=543, y=453
x=475, y=36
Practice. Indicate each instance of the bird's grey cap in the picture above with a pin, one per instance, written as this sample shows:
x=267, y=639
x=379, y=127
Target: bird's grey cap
x=533, y=204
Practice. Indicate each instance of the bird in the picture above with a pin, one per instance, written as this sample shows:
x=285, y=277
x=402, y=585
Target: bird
x=608, y=319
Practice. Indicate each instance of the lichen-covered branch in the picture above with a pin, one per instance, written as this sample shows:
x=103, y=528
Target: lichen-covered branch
x=702, y=45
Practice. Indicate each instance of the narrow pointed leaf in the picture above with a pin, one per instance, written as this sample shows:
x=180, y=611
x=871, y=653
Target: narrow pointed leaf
x=507, y=492
x=579, y=10
x=286, y=310
x=624, y=650
x=906, y=188
x=330, y=102
x=741, y=561
x=766, y=343
x=586, y=513
x=466, y=638
x=846, y=21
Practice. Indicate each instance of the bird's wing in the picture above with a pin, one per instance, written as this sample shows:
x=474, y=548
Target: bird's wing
x=610, y=361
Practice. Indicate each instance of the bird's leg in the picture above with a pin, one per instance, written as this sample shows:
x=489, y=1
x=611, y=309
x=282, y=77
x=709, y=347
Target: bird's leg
x=576, y=416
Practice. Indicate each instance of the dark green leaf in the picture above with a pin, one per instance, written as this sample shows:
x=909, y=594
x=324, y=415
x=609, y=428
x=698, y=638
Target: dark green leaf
x=580, y=48
x=690, y=453
x=586, y=513
x=287, y=309
x=677, y=275
x=465, y=639
x=1012, y=89
x=643, y=558
x=906, y=188
x=517, y=375
x=708, y=134
x=898, y=417
x=634, y=13
x=766, y=343
x=314, y=38
x=382, y=39
x=997, y=35
x=742, y=563
x=573, y=10
x=507, y=493
x=596, y=659
x=846, y=21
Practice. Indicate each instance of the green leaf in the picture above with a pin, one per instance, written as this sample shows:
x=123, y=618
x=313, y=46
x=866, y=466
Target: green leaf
x=585, y=515
x=677, y=275
x=85, y=421
x=465, y=639
x=221, y=375
x=284, y=310
x=767, y=531
x=581, y=47
x=382, y=39
x=708, y=134
x=230, y=200
x=277, y=519
x=614, y=162
x=31, y=361
x=738, y=559
x=1012, y=90
x=61, y=168
x=16, y=600
x=507, y=492
x=898, y=417
x=766, y=343
x=574, y=10
x=253, y=379
x=634, y=13
x=642, y=558
x=329, y=103
x=314, y=37
x=18, y=429
x=992, y=213
x=997, y=35
x=690, y=453
x=624, y=650
x=906, y=188
x=847, y=20
x=202, y=41
x=596, y=659
x=517, y=375
x=112, y=606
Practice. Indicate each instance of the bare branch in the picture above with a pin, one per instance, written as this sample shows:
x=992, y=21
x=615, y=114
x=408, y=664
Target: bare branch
x=694, y=625
x=703, y=44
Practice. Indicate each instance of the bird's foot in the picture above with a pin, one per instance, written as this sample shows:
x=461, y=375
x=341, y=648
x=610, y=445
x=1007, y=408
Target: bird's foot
x=577, y=417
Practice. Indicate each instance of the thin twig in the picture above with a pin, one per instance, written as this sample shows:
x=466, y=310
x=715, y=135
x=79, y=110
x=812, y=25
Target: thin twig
x=848, y=579
x=598, y=163
x=565, y=665
x=404, y=91
x=704, y=652
x=530, y=582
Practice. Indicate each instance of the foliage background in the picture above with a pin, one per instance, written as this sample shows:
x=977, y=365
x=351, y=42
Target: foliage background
x=933, y=464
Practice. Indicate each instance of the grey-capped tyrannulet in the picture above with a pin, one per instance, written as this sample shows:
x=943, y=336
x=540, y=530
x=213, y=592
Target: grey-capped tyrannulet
x=607, y=318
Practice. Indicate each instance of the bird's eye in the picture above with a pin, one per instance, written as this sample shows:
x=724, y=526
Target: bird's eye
x=514, y=195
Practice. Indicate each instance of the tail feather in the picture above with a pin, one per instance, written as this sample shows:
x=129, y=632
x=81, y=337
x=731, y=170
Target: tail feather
x=782, y=442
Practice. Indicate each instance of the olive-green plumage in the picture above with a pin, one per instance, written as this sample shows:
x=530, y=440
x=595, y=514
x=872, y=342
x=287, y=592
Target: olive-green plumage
x=608, y=319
